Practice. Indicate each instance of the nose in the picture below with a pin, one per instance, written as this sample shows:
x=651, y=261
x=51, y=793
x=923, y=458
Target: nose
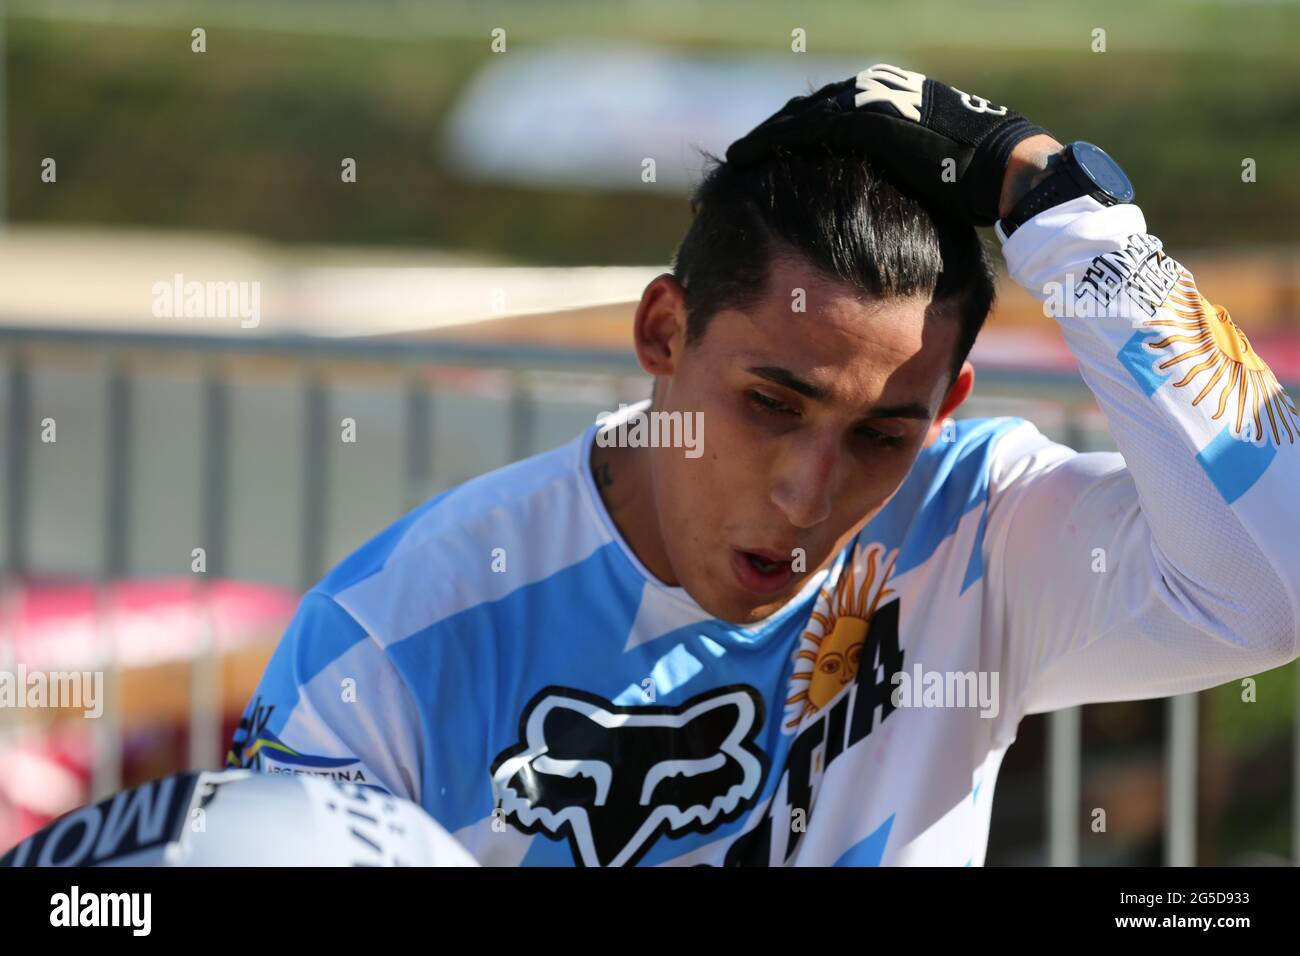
x=803, y=486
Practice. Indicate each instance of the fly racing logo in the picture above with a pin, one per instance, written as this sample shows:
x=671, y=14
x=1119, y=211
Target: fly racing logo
x=978, y=104
x=901, y=89
x=614, y=779
x=904, y=90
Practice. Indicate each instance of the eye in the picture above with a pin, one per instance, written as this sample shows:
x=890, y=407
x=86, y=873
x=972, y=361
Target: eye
x=880, y=439
x=767, y=403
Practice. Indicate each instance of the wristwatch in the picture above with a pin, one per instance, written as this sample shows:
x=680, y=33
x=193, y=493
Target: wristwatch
x=1081, y=169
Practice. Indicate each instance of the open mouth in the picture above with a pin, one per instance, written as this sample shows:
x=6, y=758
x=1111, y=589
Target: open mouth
x=761, y=572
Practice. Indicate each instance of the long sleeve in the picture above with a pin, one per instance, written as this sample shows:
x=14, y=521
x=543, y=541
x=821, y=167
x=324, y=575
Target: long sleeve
x=1174, y=565
x=330, y=704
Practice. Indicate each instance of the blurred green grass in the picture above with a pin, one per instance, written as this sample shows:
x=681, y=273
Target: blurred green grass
x=1242, y=743
x=249, y=137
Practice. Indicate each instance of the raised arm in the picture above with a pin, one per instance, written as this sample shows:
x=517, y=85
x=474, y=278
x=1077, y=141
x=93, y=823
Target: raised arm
x=1175, y=565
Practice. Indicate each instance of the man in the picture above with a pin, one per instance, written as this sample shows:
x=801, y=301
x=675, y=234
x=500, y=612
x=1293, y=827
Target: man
x=810, y=639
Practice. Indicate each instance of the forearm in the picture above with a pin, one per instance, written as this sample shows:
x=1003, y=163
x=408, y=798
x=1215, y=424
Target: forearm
x=1208, y=437
x=1028, y=166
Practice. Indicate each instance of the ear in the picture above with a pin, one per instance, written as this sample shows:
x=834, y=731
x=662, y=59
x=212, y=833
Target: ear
x=958, y=392
x=659, y=329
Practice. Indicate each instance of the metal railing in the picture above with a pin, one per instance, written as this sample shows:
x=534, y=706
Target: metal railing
x=318, y=366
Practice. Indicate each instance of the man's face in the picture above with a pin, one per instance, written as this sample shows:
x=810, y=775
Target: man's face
x=811, y=422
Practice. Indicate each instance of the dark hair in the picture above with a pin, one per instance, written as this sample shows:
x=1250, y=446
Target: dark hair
x=841, y=216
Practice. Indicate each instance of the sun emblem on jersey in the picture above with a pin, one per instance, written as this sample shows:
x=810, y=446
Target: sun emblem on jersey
x=1237, y=375
x=826, y=660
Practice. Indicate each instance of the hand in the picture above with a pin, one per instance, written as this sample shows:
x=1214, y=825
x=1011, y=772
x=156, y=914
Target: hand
x=910, y=126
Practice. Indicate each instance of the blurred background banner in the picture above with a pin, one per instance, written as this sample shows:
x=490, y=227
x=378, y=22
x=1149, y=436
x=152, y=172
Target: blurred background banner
x=591, y=115
x=272, y=274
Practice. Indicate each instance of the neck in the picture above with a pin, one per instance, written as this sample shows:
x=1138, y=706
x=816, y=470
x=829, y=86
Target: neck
x=622, y=477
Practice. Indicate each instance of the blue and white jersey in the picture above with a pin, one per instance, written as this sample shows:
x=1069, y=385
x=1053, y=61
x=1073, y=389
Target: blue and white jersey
x=502, y=658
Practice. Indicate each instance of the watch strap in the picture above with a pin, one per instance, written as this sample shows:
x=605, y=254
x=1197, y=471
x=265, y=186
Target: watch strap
x=1061, y=185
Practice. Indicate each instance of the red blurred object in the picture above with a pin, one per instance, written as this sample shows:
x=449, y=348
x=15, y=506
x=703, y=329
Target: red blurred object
x=56, y=626
x=50, y=625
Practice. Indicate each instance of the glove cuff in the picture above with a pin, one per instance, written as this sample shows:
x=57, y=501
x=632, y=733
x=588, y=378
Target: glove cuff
x=983, y=178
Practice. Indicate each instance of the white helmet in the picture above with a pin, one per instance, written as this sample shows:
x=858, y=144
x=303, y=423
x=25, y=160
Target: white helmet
x=243, y=818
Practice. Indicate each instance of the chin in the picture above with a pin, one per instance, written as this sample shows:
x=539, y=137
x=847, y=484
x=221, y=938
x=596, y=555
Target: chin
x=721, y=597
x=745, y=610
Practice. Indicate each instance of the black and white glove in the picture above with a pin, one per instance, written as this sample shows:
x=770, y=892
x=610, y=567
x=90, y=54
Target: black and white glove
x=909, y=125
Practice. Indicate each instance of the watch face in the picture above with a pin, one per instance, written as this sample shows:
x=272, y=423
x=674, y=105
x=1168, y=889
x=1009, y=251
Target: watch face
x=1103, y=171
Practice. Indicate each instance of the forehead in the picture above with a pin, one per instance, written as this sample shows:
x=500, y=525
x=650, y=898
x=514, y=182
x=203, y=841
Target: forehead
x=897, y=349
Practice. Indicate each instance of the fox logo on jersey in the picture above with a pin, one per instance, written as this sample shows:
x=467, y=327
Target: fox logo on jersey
x=613, y=779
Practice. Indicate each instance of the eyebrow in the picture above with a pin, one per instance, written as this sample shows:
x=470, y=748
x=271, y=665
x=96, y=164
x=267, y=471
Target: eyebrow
x=787, y=379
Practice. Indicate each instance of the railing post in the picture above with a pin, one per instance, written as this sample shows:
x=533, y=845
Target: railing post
x=417, y=447
x=117, y=480
x=522, y=418
x=216, y=468
x=1065, y=743
x=8, y=716
x=205, y=671
x=205, y=686
x=1180, y=802
x=315, y=485
x=1064, y=763
x=107, y=734
x=18, y=441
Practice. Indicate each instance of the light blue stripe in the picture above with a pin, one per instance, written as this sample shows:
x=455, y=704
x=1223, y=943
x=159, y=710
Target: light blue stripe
x=669, y=673
x=1233, y=464
x=473, y=669
x=947, y=481
x=869, y=851
x=1140, y=361
x=975, y=567
x=321, y=633
x=369, y=558
x=548, y=850
x=713, y=647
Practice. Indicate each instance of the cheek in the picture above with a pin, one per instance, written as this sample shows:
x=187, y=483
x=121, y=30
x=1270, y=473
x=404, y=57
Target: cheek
x=734, y=454
x=686, y=512
x=870, y=485
x=738, y=445
x=699, y=499
x=691, y=522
